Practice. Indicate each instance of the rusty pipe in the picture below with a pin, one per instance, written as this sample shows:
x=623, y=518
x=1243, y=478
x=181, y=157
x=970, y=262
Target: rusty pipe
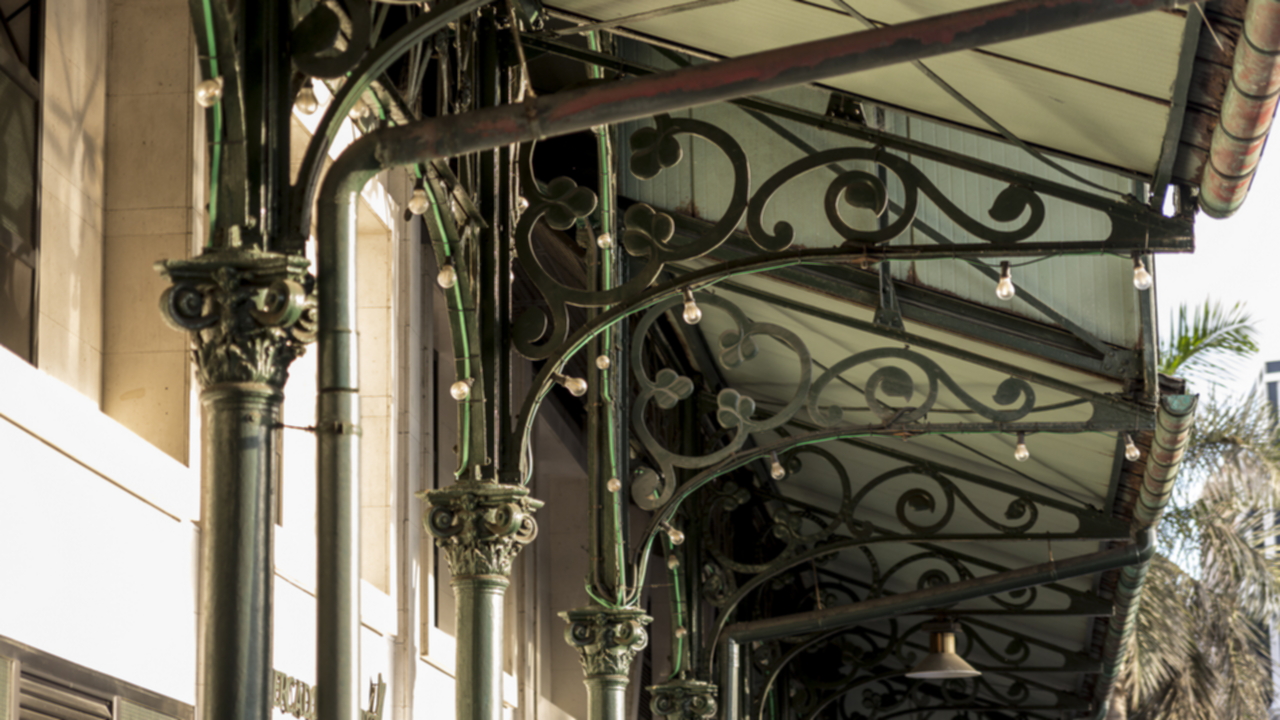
x=1247, y=110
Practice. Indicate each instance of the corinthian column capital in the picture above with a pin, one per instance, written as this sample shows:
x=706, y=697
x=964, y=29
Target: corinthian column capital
x=250, y=313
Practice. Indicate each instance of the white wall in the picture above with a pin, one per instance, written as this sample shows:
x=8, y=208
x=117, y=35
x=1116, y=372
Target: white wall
x=97, y=546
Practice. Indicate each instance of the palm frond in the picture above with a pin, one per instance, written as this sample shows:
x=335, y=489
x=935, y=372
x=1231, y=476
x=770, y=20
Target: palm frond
x=1209, y=343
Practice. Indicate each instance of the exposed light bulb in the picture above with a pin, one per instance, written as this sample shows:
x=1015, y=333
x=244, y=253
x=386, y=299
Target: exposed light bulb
x=673, y=562
x=1141, y=277
x=209, y=92
x=418, y=202
x=603, y=362
x=1020, y=451
x=448, y=277
x=522, y=202
x=681, y=632
x=576, y=386
x=676, y=536
x=614, y=485
x=1131, y=451
x=776, y=471
x=1005, y=289
x=461, y=390
x=692, y=313
x=306, y=100
x=604, y=241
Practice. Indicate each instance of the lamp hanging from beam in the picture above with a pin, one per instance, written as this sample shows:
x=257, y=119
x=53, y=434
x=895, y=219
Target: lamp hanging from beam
x=942, y=662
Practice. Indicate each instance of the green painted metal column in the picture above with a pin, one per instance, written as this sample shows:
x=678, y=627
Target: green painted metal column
x=607, y=641
x=249, y=316
x=480, y=527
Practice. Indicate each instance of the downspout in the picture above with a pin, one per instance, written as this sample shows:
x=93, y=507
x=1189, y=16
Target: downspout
x=1174, y=420
x=570, y=111
x=1136, y=553
x=1247, y=110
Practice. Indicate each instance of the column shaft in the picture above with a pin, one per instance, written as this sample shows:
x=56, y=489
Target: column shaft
x=480, y=633
x=236, y=559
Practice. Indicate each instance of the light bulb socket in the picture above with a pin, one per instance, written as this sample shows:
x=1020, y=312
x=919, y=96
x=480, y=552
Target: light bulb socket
x=1005, y=289
x=776, y=470
x=448, y=276
x=1131, y=451
x=461, y=390
x=673, y=534
x=306, y=99
x=1142, y=279
x=577, y=387
x=418, y=201
x=1020, y=451
x=692, y=313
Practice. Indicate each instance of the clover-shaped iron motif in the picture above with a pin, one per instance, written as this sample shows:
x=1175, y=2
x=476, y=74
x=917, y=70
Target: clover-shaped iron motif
x=736, y=348
x=734, y=409
x=568, y=203
x=644, y=228
x=652, y=150
x=670, y=388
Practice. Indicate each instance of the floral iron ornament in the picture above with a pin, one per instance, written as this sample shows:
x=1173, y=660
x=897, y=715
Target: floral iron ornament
x=250, y=313
x=684, y=700
x=607, y=640
x=481, y=526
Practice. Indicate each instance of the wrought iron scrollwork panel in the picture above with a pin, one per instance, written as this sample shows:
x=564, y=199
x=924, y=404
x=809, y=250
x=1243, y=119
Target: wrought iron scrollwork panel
x=889, y=391
x=860, y=189
x=648, y=234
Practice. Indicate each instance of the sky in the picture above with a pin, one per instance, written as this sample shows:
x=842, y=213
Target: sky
x=1236, y=260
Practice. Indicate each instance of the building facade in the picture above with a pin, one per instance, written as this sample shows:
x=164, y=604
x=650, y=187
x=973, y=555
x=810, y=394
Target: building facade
x=756, y=371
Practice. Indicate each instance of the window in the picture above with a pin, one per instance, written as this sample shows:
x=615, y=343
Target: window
x=19, y=105
x=35, y=685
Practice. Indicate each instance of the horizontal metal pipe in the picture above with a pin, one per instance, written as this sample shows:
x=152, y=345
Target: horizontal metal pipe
x=942, y=595
x=638, y=97
x=1133, y=554
x=1247, y=110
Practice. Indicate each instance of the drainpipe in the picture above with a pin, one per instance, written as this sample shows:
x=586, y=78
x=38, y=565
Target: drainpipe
x=1247, y=110
x=1174, y=420
x=1136, y=553
x=535, y=118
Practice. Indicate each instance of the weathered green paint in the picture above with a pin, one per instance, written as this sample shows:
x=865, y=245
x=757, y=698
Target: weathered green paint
x=249, y=317
x=480, y=527
x=607, y=641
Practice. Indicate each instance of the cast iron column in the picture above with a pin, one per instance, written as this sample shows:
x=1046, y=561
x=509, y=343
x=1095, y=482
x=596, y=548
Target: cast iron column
x=684, y=700
x=607, y=642
x=249, y=315
x=480, y=527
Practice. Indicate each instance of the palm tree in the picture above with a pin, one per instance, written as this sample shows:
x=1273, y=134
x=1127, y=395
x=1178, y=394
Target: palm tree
x=1200, y=646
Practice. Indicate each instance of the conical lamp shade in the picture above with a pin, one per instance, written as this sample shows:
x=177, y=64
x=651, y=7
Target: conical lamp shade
x=942, y=662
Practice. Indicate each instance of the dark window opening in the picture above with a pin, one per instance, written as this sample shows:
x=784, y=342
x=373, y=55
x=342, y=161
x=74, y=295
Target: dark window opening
x=19, y=179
